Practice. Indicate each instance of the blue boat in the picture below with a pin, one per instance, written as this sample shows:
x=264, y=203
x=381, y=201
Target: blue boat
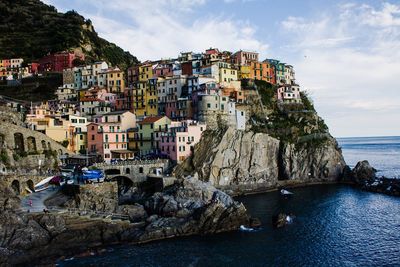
x=93, y=176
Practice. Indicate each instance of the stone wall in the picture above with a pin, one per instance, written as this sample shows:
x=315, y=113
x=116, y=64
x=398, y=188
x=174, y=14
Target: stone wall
x=136, y=171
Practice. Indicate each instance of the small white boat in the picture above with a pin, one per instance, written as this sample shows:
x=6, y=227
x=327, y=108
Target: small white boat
x=285, y=192
x=246, y=229
x=43, y=185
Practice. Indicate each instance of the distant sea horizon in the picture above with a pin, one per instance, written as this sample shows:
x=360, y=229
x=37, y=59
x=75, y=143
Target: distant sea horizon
x=382, y=152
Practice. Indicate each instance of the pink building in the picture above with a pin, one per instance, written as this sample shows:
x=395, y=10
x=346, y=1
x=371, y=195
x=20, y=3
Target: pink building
x=243, y=58
x=114, y=127
x=178, y=143
x=163, y=70
x=95, y=140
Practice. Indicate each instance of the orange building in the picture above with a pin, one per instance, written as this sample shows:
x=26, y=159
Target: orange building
x=262, y=71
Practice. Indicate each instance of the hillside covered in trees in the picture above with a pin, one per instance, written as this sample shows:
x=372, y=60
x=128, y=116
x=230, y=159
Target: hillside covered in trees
x=30, y=29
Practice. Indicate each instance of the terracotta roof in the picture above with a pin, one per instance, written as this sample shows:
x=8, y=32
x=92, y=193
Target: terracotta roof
x=88, y=99
x=150, y=119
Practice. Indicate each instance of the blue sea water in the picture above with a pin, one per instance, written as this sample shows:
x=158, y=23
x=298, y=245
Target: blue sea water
x=383, y=153
x=335, y=225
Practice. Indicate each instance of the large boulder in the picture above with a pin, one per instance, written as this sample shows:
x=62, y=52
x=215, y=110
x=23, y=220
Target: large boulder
x=363, y=172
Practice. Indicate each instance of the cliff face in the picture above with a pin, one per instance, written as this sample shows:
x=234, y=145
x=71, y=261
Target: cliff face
x=247, y=160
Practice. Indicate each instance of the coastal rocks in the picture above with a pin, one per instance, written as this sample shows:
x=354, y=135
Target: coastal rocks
x=363, y=172
x=247, y=161
x=364, y=176
x=186, y=208
x=308, y=162
x=193, y=207
x=96, y=197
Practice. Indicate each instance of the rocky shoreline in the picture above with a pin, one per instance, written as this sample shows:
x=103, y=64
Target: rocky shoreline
x=190, y=207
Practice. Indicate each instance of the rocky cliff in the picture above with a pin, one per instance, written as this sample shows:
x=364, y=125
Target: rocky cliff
x=249, y=160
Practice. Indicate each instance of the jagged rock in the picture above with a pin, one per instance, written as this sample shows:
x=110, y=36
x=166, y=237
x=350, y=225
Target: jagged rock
x=279, y=221
x=136, y=212
x=363, y=172
x=246, y=160
x=52, y=223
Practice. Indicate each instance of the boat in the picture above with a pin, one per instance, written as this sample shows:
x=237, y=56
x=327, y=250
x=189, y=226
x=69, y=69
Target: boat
x=285, y=192
x=43, y=185
x=93, y=176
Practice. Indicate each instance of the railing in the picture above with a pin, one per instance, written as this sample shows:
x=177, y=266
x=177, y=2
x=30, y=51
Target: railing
x=132, y=162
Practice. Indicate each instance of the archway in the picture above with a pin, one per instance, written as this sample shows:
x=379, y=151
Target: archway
x=124, y=184
x=112, y=172
x=15, y=187
x=19, y=143
x=30, y=185
x=31, y=144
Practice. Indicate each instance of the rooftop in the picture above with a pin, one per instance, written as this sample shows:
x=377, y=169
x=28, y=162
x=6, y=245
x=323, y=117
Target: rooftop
x=150, y=119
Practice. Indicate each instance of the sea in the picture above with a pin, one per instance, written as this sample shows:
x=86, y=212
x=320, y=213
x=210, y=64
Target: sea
x=334, y=225
x=383, y=153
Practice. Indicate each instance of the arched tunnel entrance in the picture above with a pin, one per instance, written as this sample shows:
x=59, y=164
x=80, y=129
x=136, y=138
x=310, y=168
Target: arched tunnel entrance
x=16, y=187
x=31, y=186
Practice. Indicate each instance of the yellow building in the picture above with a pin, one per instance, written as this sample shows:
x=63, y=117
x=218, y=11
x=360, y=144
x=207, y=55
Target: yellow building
x=151, y=98
x=145, y=72
x=244, y=72
x=115, y=81
x=73, y=129
x=139, y=98
x=226, y=72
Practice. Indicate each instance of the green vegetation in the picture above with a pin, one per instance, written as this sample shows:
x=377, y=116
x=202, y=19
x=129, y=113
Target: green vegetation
x=34, y=88
x=38, y=29
x=267, y=93
x=4, y=157
x=293, y=123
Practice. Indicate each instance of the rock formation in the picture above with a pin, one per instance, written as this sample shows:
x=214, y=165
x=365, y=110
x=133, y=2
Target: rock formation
x=363, y=172
x=248, y=160
x=188, y=207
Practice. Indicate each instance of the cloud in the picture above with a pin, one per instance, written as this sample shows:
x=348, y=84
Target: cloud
x=349, y=58
x=164, y=28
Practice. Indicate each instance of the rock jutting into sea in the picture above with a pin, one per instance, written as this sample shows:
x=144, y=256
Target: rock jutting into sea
x=364, y=175
x=186, y=208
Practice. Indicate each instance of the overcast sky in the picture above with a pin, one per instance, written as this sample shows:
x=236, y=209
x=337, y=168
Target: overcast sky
x=346, y=53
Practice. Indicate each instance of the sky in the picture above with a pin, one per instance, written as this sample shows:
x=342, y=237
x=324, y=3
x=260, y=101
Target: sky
x=346, y=54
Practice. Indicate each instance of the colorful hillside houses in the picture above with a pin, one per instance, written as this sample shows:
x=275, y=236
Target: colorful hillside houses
x=156, y=108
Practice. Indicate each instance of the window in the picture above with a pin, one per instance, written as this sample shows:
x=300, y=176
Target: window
x=208, y=105
x=81, y=137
